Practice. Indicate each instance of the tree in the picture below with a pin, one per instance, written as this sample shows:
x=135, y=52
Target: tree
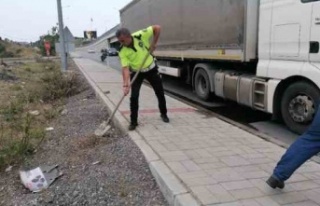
x=52, y=37
x=54, y=30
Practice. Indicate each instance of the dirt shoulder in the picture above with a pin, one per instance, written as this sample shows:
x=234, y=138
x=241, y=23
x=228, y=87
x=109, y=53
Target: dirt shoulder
x=121, y=177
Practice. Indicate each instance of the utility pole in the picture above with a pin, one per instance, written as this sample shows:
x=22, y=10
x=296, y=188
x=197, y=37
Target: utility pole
x=62, y=38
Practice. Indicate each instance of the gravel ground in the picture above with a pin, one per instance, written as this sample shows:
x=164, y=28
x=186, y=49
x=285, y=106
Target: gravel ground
x=122, y=176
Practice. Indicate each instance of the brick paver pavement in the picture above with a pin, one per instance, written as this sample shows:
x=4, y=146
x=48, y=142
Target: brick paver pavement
x=217, y=163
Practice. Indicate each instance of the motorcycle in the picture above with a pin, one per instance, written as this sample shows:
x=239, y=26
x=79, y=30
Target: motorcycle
x=104, y=55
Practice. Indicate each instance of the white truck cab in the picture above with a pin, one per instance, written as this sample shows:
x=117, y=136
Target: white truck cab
x=289, y=36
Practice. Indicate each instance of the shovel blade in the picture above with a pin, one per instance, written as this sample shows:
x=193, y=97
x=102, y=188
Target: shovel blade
x=102, y=129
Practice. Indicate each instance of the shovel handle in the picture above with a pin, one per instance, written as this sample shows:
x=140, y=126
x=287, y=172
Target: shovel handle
x=123, y=97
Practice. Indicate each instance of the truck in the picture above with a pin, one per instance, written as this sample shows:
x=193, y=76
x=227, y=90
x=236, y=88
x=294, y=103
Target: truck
x=263, y=54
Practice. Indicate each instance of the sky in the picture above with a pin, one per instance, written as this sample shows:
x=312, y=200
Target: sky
x=27, y=20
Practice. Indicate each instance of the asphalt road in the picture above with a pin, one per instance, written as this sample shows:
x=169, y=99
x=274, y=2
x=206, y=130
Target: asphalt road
x=255, y=119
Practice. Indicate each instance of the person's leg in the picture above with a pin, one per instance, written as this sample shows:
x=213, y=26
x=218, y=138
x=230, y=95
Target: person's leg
x=134, y=99
x=298, y=153
x=314, y=129
x=155, y=81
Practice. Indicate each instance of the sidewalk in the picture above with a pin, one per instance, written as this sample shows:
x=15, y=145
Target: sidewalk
x=199, y=159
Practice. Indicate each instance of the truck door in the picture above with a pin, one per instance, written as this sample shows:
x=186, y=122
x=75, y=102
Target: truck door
x=290, y=37
x=315, y=33
x=291, y=30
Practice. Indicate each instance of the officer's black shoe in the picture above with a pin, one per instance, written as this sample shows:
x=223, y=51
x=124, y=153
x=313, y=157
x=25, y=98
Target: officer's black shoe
x=274, y=183
x=165, y=118
x=133, y=126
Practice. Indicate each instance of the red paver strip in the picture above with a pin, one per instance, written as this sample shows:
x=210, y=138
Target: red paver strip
x=152, y=111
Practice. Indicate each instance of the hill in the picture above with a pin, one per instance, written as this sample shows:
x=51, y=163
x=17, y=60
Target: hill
x=11, y=49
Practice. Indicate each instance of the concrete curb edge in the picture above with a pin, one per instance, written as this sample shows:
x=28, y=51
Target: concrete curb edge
x=171, y=187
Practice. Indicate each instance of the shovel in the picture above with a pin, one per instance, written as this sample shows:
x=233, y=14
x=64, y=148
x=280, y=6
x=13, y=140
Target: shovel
x=105, y=126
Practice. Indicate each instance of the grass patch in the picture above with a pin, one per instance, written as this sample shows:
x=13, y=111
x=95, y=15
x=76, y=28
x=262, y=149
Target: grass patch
x=10, y=49
x=39, y=86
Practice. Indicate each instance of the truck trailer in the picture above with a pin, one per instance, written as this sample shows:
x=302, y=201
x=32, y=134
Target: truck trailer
x=263, y=54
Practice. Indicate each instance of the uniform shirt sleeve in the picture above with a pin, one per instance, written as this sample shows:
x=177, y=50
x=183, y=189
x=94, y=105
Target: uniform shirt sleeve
x=146, y=34
x=124, y=60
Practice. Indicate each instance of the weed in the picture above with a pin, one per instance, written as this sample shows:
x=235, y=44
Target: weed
x=18, y=51
x=44, y=88
x=16, y=87
x=28, y=96
x=123, y=187
x=28, y=69
x=37, y=133
x=10, y=113
x=50, y=114
x=57, y=85
x=13, y=148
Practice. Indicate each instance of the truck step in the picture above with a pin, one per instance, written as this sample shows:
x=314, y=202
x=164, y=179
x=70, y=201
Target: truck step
x=260, y=105
x=260, y=89
x=259, y=92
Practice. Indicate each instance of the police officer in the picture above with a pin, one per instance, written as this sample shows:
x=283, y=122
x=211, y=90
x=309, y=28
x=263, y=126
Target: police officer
x=133, y=50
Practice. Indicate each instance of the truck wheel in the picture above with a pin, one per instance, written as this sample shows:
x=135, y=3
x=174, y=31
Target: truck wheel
x=202, y=84
x=298, y=106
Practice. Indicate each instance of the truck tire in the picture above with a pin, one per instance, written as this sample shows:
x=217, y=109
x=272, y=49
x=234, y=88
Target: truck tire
x=202, y=84
x=299, y=104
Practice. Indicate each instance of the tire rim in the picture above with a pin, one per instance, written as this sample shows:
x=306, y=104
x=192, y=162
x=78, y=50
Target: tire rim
x=202, y=86
x=302, y=109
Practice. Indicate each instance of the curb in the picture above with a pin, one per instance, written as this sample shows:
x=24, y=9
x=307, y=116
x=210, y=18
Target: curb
x=171, y=187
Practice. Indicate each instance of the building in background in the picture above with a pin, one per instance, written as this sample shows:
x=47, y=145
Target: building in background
x=90, y=35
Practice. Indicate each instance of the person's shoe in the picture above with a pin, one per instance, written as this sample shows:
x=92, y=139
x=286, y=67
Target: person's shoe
x=274, y=183
x=165, y=118
x=133, y=126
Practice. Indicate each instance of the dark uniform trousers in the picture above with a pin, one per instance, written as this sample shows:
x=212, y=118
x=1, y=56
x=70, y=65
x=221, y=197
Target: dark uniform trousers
x=153, y=77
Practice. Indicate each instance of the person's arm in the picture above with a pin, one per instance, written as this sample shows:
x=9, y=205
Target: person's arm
x=126, y=80
x=125, y=73
x=156, y=35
